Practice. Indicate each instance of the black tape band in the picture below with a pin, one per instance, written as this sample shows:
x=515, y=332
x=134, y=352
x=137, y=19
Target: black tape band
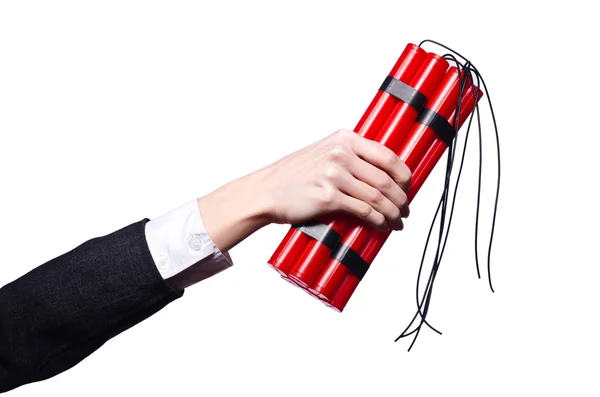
x=340, y=252
x=319, y=232
x=351, y=259
x=439, y=124
x=404, y=92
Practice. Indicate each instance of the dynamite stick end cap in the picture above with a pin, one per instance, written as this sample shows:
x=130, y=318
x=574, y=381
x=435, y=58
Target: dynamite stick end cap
x=277, y=265
x=436, y=56
x=291, y=281
x=336, y=309
x=308, y=292
x=298, y=280
x=319, y=295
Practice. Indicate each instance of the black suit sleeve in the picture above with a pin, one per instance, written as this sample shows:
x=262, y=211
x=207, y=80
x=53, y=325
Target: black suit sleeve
x=62, y=311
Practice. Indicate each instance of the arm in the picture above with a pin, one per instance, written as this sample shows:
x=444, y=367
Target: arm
x=62, y=311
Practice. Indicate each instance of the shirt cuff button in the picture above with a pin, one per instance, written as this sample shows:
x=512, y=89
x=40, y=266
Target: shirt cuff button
x=163, y=264
x=195, y=243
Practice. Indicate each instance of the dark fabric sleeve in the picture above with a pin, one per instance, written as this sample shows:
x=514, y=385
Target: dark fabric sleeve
x=62, y=311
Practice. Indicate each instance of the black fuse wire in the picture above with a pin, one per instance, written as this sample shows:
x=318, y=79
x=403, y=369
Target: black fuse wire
x=467, y=73
x=422, y=312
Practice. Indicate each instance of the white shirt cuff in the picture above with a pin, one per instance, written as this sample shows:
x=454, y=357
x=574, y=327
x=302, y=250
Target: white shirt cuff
x=179, y=241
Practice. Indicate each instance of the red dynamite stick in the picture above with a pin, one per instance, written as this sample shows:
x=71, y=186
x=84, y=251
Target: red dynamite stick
x=383, y=104
x=290, y=243
x=395, y=131
x=315, y=253
x=295, y=242
x=422, y=171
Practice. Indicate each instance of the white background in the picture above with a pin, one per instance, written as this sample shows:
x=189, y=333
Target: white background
x=112, y=111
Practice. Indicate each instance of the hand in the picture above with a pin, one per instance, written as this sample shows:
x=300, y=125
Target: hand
x=342, y=172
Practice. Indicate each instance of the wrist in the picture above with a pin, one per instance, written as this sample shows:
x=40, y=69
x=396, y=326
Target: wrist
x=235, y=210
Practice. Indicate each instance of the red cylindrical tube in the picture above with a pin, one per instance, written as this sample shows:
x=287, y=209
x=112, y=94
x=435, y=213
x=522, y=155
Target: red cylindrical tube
x=383, y=103
x=395, y=131
x=421, y=172
x=413, y=62
x=290, y=247
x=295, y=242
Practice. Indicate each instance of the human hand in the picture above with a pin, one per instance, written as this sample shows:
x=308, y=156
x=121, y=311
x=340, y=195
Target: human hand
x=342, y=172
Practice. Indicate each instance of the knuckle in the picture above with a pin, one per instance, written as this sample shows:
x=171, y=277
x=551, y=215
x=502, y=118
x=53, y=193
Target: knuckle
x=332, y=173
x=365, y=210
x=343, y=134
x=376, y=196
x=390, y=158
x=338, y=154
x=328, y=196
x=385, y=183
